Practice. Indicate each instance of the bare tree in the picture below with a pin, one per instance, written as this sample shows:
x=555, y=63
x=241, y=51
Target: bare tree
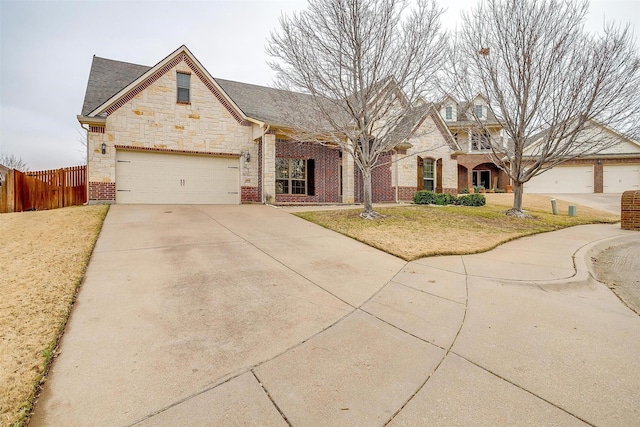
x=552, y=86
x=365, y=66
x=12, y=162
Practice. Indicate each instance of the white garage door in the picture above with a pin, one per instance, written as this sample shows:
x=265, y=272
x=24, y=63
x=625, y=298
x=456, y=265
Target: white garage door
x=161, y=178
x=620, y=178
x=562, y=179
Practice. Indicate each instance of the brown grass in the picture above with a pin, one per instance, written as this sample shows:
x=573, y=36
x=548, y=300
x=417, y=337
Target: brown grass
x=411, y=232
x=42, y=260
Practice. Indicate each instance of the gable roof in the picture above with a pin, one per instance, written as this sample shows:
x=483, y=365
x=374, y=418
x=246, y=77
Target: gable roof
x=152, y=74
x=106, y=78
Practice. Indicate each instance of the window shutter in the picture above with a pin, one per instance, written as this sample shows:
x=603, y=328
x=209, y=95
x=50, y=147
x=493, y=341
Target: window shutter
x=311, y=177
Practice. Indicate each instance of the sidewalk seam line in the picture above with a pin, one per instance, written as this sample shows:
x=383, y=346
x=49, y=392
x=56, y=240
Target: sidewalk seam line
x=525, y=390
x=273, y=402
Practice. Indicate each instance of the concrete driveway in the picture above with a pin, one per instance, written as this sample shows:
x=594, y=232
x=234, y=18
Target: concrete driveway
x=247, y=315
x=602, y=201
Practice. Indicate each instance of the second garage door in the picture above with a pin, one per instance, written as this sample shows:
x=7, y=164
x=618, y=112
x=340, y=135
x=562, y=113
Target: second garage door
x=621, y=178
x=162, y=178
x=562, y=179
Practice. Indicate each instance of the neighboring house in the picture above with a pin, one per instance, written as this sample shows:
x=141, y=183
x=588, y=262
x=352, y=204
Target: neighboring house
x=615, y=169
x=172, y=133
x=472, y=124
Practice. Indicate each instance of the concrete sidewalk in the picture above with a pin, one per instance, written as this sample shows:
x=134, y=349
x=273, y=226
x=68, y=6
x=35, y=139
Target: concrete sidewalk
x=246, y=315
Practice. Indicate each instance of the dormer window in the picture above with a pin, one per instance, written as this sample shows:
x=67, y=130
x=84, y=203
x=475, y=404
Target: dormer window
x=184, y=87
x=448, y=113
x=479, y=111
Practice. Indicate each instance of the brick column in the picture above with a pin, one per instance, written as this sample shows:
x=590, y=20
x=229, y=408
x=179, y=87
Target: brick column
x=348, y=168
x=269, y=168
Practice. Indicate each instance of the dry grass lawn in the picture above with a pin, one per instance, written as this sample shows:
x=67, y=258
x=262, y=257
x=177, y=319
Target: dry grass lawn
x=412, y=231
x=42, y=260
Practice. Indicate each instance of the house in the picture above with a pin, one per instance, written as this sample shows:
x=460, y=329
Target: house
x=172, y=133
x=472, y=124
x=615, y=168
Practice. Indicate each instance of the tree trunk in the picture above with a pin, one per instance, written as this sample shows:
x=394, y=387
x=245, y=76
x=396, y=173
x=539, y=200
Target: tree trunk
x=518, y=189
x=516, y=210
x=368, y=205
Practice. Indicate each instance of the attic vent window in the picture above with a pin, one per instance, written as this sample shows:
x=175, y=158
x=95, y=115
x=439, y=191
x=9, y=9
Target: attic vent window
x=184, y=85
x=448, y=113
x=479, y=110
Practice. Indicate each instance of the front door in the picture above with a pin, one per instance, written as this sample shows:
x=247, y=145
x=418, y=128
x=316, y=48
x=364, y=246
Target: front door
x=482, y=178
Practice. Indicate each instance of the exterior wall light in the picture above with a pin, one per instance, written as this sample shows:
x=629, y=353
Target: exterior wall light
x=104, y=148
x=247, y=156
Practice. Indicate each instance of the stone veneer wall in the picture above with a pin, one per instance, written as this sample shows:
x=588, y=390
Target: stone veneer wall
x=428, y=143
x=154, y=119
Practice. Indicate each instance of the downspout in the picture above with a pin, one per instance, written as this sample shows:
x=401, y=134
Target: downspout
x=395, y=154
x=264, y=133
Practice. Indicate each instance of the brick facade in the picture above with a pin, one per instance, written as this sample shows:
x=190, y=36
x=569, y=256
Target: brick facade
x=102, y=191
x=326, y=174
x=470, y=162
x=630, y=210
x=406, y=194
x=249, y=195
x=381, y=186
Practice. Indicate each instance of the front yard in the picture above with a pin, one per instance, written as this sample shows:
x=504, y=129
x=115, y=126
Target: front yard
x=42, y=260
x=413, y=231
x=43, y=256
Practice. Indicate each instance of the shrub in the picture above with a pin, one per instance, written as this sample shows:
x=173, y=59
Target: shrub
x=472, y=200
x=446, y=199
x=424, y=197
x=465, y=190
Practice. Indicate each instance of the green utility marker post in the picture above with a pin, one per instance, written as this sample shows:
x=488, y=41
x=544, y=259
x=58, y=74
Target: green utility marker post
x=554, y=207
x=572, y=211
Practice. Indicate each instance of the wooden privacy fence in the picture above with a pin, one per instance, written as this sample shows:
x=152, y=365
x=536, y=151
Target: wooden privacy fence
x=41, y=190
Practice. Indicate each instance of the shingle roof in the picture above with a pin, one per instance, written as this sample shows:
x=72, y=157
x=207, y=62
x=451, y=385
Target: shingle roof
x=106, y=78
x=263, y=103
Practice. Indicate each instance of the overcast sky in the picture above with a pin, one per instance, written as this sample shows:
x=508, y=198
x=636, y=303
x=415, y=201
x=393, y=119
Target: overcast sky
x=47, y=47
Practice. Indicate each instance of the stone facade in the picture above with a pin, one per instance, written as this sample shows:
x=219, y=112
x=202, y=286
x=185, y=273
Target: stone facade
x=427, y=143
x=153, y=119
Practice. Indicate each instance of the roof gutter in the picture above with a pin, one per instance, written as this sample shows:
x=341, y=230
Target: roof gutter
x=92, y=121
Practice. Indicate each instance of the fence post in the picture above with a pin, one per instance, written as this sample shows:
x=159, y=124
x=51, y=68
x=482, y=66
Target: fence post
x=11, y=190
x=63, y=187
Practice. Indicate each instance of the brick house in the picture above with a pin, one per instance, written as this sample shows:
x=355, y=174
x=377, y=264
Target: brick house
x=171, y=133
x=613, y=169
x=475, y=168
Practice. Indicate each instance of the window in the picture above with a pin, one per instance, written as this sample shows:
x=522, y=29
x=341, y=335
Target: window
x=184, y=84
x=448, y=113
x=481, y=178
x=480, y=141
x=479, y=110
x=428, y=174
x=291, y=176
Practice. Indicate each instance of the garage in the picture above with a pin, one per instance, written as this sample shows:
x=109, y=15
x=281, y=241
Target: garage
x=562, y=179
x=621, y=178
x=146, y=177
